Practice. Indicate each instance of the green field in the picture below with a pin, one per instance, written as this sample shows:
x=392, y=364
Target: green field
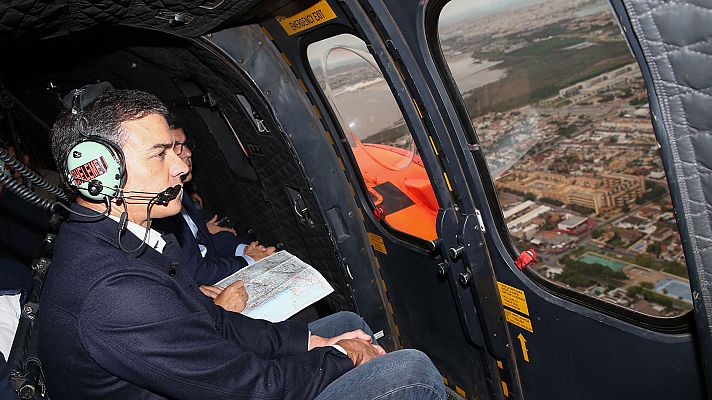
x=541, y=69
x=591, y=258
x=545, y=47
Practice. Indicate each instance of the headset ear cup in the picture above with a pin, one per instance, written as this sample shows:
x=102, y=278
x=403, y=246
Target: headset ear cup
x=119, y=176
x=95, y=168
x=95, y=187
x=121, y=162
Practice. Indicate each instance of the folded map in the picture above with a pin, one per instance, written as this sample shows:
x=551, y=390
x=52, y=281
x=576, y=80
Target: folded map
x=279, y=286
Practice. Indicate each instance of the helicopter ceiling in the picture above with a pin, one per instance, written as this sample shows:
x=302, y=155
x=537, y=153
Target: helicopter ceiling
x=21, y=19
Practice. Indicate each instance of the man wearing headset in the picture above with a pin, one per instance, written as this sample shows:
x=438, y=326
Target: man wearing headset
x=120, y=318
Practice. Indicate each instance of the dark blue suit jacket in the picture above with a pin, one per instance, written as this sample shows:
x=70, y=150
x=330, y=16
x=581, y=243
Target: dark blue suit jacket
x=115, y=325
x=220, y=260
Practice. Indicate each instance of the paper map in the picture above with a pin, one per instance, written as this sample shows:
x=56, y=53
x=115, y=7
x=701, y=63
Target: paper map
x=279, y=286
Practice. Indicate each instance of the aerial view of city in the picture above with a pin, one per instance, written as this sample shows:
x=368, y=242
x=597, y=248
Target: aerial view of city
x=561, y=113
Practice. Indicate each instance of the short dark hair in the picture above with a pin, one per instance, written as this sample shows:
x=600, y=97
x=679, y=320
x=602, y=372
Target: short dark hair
x=103, y=118
x=174, y=121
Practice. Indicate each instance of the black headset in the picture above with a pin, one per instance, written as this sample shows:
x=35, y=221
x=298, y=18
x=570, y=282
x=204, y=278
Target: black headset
x=95, y=167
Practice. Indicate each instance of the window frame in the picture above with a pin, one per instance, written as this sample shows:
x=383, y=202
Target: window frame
x=343, y=144
x=682, y=323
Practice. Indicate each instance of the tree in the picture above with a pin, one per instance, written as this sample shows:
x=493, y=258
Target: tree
x=615, y=241
x=634, y=291
x=644, y=261
x=654, y=248
x=605, y=98
x=638, y=101
x=594, y=273
x=574, y=278
x=649, y=295
x=581, y=209
x=566, y=131
x=627, y=92
x=654, y=191
x=551, y=201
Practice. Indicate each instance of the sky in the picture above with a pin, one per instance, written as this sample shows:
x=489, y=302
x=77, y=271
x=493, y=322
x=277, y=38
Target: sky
x=454, y=11
x=459, y=10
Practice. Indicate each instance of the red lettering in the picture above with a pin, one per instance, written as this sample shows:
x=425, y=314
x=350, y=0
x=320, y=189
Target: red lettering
x=89, y=170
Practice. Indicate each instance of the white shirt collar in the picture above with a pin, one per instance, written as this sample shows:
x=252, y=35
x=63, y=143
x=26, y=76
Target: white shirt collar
x=154, y=238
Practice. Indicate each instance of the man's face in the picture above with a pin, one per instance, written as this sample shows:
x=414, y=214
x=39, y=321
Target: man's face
x=151, y=164
x=186, y=155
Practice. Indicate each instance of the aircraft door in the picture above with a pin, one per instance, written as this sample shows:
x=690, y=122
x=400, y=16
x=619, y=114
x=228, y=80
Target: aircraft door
x=419, y=245
x=561, y=110
x=428, y=247
x=606, y=311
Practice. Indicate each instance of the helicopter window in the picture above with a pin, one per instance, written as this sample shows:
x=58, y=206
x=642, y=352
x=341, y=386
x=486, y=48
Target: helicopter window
x=398, y=186
x=561, y=113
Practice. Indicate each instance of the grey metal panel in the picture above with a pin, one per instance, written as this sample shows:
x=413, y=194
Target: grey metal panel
x=676, y=40
x=254, y=53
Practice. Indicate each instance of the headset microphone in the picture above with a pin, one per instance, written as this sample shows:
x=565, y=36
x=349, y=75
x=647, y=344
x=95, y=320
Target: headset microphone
x=161, y=198
x=165, y=197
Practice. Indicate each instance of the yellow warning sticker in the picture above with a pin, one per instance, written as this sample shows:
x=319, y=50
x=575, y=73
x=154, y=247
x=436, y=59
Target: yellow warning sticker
x=377, y=243
x=309, y=18
x=513, y=298
x=505, y=389
x=460, y=391
x=518, y=320
x=525, y=351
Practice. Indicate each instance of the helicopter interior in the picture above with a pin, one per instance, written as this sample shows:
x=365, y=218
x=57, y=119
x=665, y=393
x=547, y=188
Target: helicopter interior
x=244, y=171
x=276, y=175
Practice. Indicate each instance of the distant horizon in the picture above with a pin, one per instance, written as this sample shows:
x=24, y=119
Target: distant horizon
x=457, y=11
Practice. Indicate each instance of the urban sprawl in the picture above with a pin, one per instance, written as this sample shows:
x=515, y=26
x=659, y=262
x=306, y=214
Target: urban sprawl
x=567, y=134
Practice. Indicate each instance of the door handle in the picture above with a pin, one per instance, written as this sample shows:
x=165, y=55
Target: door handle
x=299, y=206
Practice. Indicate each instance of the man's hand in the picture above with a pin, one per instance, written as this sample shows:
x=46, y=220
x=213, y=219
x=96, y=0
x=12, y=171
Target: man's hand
x=211, y=291
x=214, y=228
x=318, y=341
x=360, y=351
x=257, y=251
x=232, y=298
x=358, y=345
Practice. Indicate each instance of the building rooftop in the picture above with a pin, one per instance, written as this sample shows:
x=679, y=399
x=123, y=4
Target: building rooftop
x=529, y=216
x=633, y=220
x=675, y=288
x=572, y=221
x=518, y=208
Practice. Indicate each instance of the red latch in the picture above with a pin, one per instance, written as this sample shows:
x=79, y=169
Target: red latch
x=525, y=258
x=379, y=212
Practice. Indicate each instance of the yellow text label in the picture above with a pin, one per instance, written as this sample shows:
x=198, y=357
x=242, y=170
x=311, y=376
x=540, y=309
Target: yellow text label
x=309, y=18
